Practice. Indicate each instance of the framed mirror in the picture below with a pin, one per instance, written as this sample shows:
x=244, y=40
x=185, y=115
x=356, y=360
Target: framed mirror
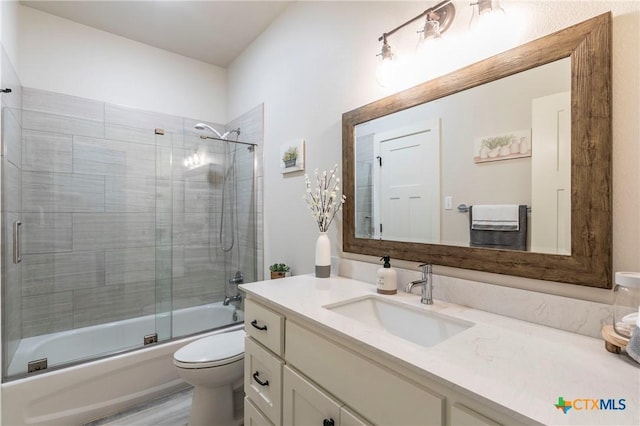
x=572, y=65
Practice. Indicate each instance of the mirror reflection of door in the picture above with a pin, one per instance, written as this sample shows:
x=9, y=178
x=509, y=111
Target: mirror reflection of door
x=551, y=174
x=407, y=173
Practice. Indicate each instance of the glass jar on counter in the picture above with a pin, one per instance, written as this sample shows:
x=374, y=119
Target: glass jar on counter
x=626, y=304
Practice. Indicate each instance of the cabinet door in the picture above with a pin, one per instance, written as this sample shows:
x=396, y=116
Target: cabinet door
x=370, y=389
x=303, y=404
x=349, y=418
x=253, y=416
x=464, y=416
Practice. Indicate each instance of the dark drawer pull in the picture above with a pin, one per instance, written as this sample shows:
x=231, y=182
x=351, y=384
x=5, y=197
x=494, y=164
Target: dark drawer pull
x=256, y=377
x=328, y=422
x=254, y=323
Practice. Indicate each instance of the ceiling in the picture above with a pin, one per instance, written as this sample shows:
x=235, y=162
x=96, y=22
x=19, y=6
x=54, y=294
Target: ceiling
x=215, y=32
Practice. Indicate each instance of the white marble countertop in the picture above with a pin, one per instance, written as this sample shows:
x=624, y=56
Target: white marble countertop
x=517, y=366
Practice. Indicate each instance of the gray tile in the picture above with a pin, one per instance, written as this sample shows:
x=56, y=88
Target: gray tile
x=163, y=258
x=131, y=117
x=55, y=192
x=169, y=261
x=202, y=196
x=124, y=194
x=129, y=134
x=130, y=265
x=113, y=158
x=198, y=228
x=202, y=259
x=64, y=105
x=12, y=289
x=11, y=137
x=47, y=313
x=198, y=289
x=46, y=152
x=113, y=303
x=251, y=125
x=46, y=233
x=108, y=231
x=49, y=273
x=11, y=184
x=34, y=120
x=164, y=162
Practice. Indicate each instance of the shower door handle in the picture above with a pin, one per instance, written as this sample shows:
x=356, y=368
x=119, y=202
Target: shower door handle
x=17, y=258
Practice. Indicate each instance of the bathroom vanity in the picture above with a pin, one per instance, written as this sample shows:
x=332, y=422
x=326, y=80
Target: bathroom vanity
x=331, y=351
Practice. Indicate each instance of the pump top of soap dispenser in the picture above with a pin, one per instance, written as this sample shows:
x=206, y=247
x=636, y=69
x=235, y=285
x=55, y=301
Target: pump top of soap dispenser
x=386, y=259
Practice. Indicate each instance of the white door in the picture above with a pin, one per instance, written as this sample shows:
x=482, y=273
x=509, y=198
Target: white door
x=551, y=174
x=408, y=176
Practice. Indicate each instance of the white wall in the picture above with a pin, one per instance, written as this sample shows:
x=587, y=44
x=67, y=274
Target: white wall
x=8, y=22
x=59, y=55
x=318, y=61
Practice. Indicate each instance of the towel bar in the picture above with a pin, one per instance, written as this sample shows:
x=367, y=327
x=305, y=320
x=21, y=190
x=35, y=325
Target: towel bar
x=463, y=208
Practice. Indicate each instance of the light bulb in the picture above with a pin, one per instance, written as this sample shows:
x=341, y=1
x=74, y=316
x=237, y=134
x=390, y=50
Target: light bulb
x=487, y=17
x=387, y=69
x=428, y=34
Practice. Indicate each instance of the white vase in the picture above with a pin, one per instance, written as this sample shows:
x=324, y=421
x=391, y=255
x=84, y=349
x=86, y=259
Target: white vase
x=323, y=256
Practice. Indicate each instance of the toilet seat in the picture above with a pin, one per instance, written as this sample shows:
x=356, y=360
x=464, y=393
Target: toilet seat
x=213, y=351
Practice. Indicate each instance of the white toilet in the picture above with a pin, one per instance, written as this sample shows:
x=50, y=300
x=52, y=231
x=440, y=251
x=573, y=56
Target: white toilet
x=214, y=365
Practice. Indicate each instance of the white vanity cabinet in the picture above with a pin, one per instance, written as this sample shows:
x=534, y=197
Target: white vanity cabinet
x=308, y=376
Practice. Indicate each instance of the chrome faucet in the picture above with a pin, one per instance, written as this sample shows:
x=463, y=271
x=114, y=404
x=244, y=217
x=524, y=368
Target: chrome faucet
x=229, y=299
x=427, y=285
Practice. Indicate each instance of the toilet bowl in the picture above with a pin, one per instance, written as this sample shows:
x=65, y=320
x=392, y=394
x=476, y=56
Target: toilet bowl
x=214, y=365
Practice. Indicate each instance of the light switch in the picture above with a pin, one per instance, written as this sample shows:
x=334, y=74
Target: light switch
x=448, y=202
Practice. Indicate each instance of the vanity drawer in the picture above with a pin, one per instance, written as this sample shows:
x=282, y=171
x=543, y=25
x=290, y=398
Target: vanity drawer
x=265, y=326
x=263, y=380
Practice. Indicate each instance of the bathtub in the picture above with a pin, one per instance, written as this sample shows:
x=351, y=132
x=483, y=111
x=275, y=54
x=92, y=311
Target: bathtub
x=94, y=389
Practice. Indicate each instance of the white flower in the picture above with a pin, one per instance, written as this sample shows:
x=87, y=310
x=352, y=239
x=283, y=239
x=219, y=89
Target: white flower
x=324, y=202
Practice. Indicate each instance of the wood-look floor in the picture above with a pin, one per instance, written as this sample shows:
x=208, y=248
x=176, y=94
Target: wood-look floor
x=170, y=410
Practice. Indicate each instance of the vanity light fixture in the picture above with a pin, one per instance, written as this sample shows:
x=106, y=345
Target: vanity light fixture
x=486, y=10
x=486, y=15
x=437, y=20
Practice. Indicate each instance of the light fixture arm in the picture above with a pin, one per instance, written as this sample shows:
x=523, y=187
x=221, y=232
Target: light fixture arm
x=444, y=19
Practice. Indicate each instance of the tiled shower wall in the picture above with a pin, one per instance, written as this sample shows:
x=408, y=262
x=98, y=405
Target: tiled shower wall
x=114, y=225
x=364, y=186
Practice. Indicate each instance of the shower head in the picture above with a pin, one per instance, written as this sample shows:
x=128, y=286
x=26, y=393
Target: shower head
x=203, y=126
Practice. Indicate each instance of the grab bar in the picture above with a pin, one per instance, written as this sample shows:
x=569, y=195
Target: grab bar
x=16, y=242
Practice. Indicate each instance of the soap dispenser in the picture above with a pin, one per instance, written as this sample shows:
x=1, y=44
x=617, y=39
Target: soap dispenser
x=387, y=281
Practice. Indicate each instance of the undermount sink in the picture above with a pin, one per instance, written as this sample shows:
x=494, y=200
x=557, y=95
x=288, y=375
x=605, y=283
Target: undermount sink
x=407, y=322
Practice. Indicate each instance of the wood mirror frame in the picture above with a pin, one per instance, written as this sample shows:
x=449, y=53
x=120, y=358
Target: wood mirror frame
x=588, y=44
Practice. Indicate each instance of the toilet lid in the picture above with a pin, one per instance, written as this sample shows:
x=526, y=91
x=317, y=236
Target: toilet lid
x=218, y=349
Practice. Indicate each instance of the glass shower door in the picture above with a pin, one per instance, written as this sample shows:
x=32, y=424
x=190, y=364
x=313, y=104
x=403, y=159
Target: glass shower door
x=214, y=231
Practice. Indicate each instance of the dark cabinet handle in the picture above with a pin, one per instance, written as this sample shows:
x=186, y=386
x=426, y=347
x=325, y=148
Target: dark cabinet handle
x=254, y=323
x=328, y=422
x=256, y=377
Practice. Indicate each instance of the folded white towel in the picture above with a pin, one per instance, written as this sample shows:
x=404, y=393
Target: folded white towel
x=495, y=217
